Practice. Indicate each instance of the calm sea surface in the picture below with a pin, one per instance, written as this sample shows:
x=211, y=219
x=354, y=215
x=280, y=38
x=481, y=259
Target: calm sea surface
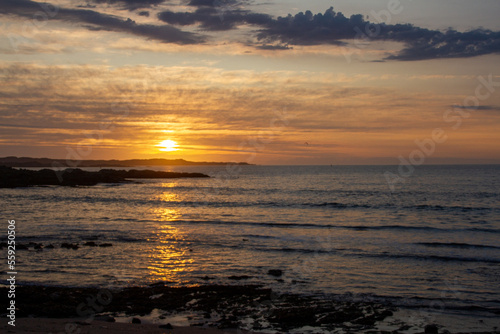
x=330, y=229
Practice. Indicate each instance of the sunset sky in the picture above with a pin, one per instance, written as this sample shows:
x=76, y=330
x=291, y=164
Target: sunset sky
x=260, y=81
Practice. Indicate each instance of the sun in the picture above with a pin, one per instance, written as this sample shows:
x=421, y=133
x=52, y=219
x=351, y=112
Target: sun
x=168, y=146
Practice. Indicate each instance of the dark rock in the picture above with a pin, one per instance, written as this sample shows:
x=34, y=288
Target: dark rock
x=49, y=246
x=157, y=284
x=275, y=272
x=21, y=246
x=55, y=296
x=367, y=321
x=105, y=245
x=237, y=278
x=233, y=303
x=198, y=324
x=167, y=326
x=382, y=315
x=206, y=278
x=11, y=178
x=295, y=317
x=39, y=246
x=90, y=244
x=69, y=246
x=105, y=318
x=431, y=329
x=136, y=320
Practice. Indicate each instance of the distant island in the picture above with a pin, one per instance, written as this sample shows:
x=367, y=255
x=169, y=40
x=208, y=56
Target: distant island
x=46, y=162
x=13, y=178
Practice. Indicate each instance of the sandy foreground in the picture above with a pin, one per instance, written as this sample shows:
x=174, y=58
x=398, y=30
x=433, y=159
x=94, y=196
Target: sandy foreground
x=74, y=326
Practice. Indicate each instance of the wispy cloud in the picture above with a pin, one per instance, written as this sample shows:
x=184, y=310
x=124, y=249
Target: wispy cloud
x=130, y=4
x=100, y=21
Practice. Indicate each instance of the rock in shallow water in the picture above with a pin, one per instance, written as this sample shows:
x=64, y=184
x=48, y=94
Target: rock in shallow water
x=237, y=278
x=431, y=329
x=275, y=272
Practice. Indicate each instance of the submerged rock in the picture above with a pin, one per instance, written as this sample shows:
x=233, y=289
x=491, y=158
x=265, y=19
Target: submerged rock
x=90, y=244
x=69, y=246
x=237, y=278
x=275, y=272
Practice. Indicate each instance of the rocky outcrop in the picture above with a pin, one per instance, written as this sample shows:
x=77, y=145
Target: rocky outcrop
x=12, y=178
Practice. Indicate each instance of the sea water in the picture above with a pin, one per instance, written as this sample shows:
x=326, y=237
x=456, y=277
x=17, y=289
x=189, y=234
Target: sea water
x=432, y=240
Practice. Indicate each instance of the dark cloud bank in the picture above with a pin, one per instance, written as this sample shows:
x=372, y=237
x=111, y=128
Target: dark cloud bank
x=330, y=28
x=99, y=21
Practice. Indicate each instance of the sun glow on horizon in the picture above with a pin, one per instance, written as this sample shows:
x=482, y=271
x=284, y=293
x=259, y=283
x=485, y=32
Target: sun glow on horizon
x=168, y=145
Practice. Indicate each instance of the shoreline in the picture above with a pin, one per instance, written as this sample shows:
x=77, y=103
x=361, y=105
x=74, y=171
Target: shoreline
x=76, y=325
x=218, y=309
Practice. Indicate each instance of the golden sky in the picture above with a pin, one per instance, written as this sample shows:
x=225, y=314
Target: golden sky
x=234, y=80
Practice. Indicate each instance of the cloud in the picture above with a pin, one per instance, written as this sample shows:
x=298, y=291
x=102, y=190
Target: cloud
x=451, y=44
x=216, y=3
x=303, y=29
x=213, y=109
x=487, y=107
x=333, y=28
x=420, y=43
x=130, y=4
x=212, y=19
x=273, y=47
x=99, y=21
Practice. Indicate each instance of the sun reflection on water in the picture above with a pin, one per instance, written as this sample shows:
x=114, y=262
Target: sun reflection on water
x=170, y=260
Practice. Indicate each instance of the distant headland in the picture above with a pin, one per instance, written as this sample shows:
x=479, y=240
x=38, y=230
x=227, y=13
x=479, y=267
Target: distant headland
x=46, y=162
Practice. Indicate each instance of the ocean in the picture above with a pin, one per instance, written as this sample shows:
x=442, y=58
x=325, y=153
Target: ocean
x=433, y=241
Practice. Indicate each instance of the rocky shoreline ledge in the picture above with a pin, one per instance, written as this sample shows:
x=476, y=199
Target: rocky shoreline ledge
x=249, y=307
x=209, y=309
x=12, y=178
